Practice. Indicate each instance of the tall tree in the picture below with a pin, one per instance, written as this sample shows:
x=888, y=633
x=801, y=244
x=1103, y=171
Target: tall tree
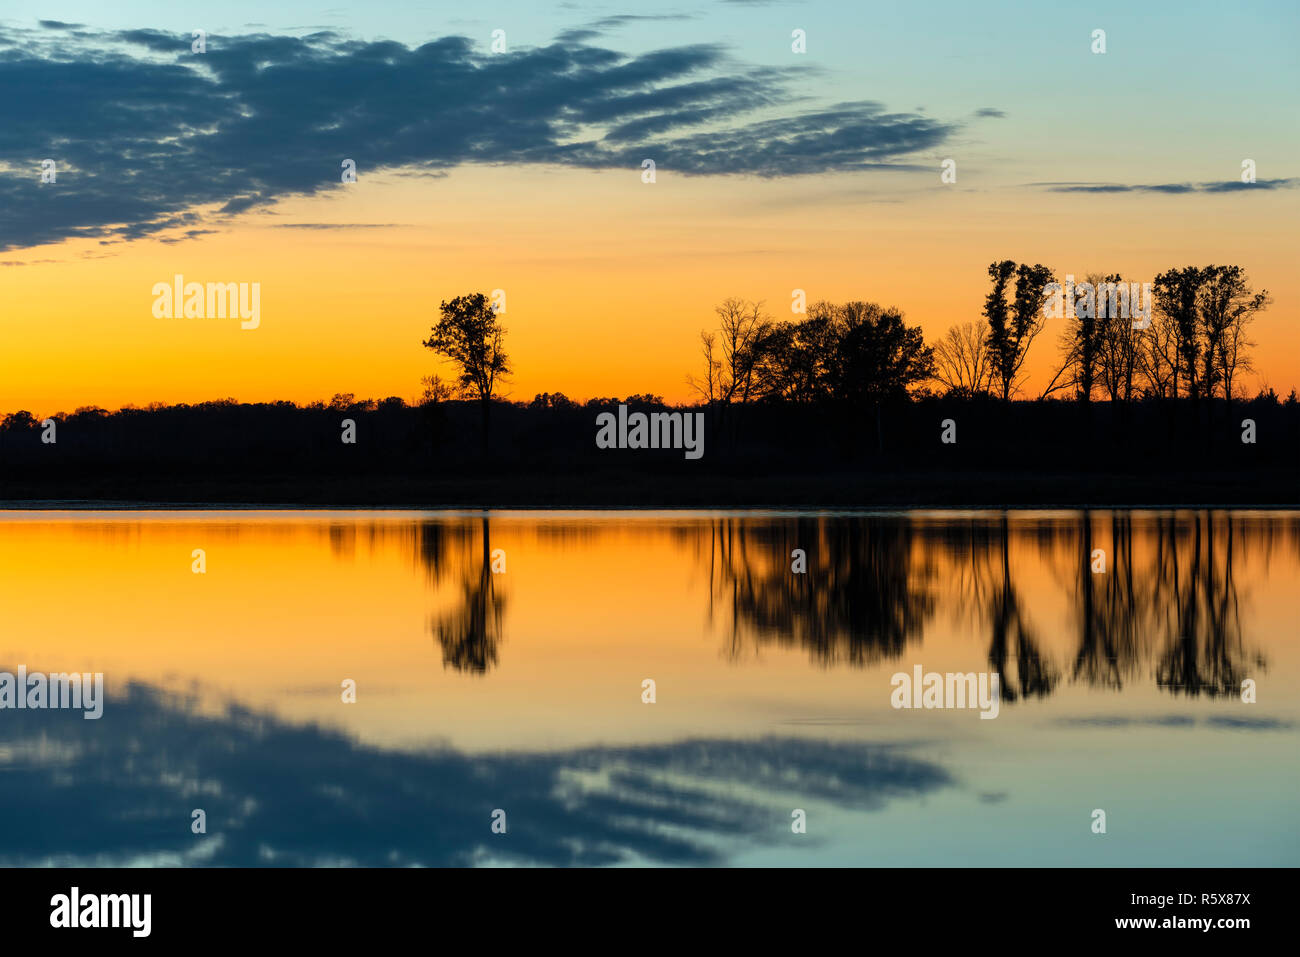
x=1014, y=325
x=1208, y=309
x=1227, y=305
x=1175, y=292
x=1081, y=344
x=469, y=334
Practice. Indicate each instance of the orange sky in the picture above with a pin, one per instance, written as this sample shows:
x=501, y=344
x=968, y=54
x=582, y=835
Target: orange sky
x=608, y=280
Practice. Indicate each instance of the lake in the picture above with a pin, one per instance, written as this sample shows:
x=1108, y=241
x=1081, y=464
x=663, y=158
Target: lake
x=502, y=666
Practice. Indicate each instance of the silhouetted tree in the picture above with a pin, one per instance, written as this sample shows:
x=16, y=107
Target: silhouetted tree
x=962, y=362
x=434, y=390
x=20, y=421
x=854, y=352
x=1175, y=292
x=1156, y=356
x=1117, y=340
x=1227, y=305
x=793, y=364
x=877, y=356
x=732, y=353
x=469, y=335
x=1014, y=325
x=1081, y=345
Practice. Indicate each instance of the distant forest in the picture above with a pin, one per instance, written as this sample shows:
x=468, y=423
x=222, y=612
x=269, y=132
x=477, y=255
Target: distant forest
x=844, y=405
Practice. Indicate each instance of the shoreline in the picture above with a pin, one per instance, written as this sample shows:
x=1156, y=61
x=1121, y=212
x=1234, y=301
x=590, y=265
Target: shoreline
x=598, y=509
x=1271, y=491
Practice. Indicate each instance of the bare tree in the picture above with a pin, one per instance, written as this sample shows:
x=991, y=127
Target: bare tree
x=1235, y=355
x=1156, y=356
x=709, y=386
x=962, y=363
x=1117, y=343
x=435, y=390
x=1081, y=343
x=732, y=354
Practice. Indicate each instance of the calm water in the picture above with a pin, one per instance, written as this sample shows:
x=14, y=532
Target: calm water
x=521, y=689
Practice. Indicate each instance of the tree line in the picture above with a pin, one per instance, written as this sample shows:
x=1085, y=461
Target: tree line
x=1195, y=345
x=820, y=408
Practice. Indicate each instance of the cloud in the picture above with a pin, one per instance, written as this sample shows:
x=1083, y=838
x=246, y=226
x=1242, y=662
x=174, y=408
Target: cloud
x=188, y=234
x=604, y=25
x=149, y=137
x=1228, y=722
x=336, y=225
x=289, y=794
x=1230, y=186
x=990, y=112
x=1233, y=185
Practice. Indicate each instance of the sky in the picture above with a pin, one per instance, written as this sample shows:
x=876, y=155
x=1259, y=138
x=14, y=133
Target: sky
x=522, y=171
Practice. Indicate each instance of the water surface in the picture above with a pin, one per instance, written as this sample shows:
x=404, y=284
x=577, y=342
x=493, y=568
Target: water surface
x=521, y=689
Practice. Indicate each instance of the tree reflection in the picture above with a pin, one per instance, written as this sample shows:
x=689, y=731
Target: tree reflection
x=1204, y=649
x=1152, y=595
x=470, y=632
x=862, y=599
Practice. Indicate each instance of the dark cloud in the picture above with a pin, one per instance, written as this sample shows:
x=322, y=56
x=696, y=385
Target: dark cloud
x=188, y=234
x=149, y=137
x=577, y=35
x=1230, y=186
x=1233, y=185
x=120, y=790
x=624, y=19
x=990, y=112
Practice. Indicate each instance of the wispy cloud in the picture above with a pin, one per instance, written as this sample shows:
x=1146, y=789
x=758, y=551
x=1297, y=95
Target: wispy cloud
x=335, y=225
x=1229, y=186
x=597, y=28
